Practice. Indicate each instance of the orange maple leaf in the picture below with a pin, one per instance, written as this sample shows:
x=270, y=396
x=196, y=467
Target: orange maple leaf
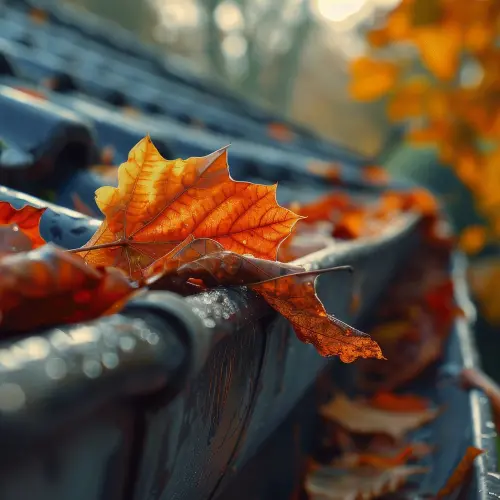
x=27, y=219
x=158, y=203
x=48, y=286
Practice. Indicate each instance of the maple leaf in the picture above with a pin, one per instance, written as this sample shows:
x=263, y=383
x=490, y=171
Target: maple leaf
x=459, y=475
x=158, y=203
x=49, y=286
x=27, y=219
x=288, y=288
x=336, y=483
x=362, y=418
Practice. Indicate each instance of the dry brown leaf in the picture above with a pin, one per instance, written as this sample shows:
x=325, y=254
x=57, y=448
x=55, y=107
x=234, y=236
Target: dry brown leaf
x=362, y=418
x=366, y=483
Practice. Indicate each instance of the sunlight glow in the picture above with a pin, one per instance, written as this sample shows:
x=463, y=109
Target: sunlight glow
x=338, y=10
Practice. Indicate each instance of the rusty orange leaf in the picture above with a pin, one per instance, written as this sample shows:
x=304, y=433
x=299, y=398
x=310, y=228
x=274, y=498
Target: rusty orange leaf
x=399, y=402
x=459, y=475
x=375, y=175
x=48, y=286
x=158, y=203
x=323, y=209
x=289, y=289
x=27, y=219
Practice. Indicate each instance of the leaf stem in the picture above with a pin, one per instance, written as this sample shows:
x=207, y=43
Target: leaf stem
x=98, y=247
x=315, y=272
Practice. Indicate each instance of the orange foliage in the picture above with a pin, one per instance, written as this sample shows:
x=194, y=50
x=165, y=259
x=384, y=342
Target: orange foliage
x=159, y=203
x=458, y=114
x=27, y=219
x=48, y=286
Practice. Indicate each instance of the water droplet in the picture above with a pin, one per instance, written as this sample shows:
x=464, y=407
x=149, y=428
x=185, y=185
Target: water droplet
x=92, y=368
x=35, y=347
x=56, y=368
x=244, y=242
x=110, y=360
x=209, y=323
x=12, y=397
x=127, y=343
x=153, y=338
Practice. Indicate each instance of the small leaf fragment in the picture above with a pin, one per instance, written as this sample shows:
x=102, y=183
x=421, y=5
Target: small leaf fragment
x=459, y=475
x=362, y=418
x=27, y=219
x=331, y=483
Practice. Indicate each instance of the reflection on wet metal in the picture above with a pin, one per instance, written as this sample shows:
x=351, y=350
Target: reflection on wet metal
x=92, y=368
x=126, y=343
x=12, y=397
x=56, y=368
x=110, y=360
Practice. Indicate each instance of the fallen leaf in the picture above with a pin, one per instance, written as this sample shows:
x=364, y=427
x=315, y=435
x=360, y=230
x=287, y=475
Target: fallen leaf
x=159, y=203
x=362, y=418
x=323, y=209
x=375, y=175
x=27, y=219
x=331, y=171
x=49, y=286
x=459, y=475
x=331, y=483
x=384, y=458
x=280, y=132
x=417, y=200
x=399, y=402
x=291, y=291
